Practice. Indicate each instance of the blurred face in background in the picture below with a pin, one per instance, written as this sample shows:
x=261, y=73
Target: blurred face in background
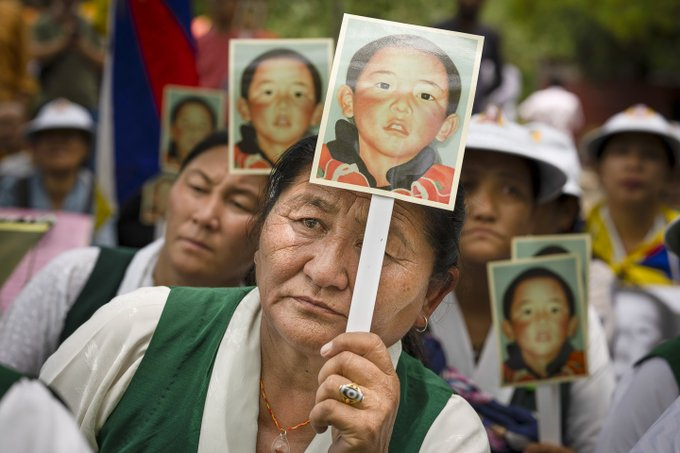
x=60, y=150
x=500, y=204
x=634, y=168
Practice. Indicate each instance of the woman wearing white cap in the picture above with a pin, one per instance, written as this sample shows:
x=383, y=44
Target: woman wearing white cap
x=60, y=137
x=651, y=387
x=505, y=178
x=634, y=153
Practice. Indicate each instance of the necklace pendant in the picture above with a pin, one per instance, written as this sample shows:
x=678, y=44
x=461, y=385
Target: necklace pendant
x=280, y=444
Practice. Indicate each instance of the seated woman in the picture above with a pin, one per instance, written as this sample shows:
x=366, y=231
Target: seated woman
x=270, y=368
x=206, y=244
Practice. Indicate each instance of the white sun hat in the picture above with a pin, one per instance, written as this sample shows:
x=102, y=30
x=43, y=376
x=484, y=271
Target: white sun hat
x=61, y=114
x=638, y=118
x=672, y=236
x=490, y=131
x=559, y=148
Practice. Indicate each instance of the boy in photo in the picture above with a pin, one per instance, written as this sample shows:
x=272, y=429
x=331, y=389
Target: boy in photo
x=280, y=100
x=400, y=98
x=539, y=310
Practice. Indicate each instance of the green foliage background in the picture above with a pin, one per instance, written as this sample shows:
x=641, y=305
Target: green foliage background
x=602, y=40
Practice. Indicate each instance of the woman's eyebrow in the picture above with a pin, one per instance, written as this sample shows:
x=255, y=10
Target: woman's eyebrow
x=320, y=202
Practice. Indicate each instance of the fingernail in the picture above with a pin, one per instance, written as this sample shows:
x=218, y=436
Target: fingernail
x=325, y=349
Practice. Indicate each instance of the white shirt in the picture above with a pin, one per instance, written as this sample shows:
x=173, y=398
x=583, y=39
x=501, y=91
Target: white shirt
x=642, y=395
x=32, y=420
x=31, y=328
x=589, y=397
x=93, y=368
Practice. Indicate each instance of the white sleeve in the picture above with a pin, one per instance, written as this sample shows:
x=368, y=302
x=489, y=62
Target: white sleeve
x=589, y=398
x=458, y=428
x=30, y=330
x=93, y=367
x=31, y=419
x=648, y=390
x=663, y=434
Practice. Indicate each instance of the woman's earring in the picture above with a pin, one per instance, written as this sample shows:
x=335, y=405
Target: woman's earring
x=424, y=329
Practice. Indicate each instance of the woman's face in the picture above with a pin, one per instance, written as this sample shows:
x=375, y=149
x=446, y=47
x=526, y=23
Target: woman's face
x=639, y=329
x=208, y=216
x=60, y=150
x=500, y=204
x=307, y=263
x=634, y=168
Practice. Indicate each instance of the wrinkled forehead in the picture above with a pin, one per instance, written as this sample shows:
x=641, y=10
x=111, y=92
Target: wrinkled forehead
x=407, y=219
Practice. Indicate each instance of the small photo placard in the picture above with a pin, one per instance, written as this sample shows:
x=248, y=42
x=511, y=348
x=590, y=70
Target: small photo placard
x=555, y=244
x=398, y=104
x=189, y=115
x=538, y=311
x=276, y=99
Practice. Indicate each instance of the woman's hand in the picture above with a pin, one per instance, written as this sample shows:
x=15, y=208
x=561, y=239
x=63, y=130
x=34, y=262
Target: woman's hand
x=361, y=358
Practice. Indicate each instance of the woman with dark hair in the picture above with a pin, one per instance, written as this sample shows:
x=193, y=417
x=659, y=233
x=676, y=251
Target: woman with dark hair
x=271, y=368
x=205, y=244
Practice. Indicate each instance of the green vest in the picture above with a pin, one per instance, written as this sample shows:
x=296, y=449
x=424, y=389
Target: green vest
x=162, y=408
x=100, y=288
x=8, y=377
x=670, y=352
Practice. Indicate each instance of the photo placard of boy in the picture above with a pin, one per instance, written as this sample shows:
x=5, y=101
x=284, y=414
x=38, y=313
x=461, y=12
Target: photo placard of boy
x=538, y=307
x=276, y=99
x=189, y=115
x=398, y=103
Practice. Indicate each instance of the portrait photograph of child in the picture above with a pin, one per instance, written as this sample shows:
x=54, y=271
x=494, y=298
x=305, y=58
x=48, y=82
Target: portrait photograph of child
x=396, y=112
x=189, y=115
x=556, y=244
x=537, y=306
x=276, y=99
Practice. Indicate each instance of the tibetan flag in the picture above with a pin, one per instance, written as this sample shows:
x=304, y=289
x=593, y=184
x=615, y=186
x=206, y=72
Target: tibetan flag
x=150, y=46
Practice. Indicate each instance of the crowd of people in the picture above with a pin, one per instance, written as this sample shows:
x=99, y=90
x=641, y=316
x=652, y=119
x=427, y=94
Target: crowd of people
x=225, y=329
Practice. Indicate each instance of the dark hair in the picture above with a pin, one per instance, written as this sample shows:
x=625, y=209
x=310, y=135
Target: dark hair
x=217, y=138
x=249, y=72
x=362, y=56
x=536, y=272
x=443, y=227
x=552, y=249
x=193, y=100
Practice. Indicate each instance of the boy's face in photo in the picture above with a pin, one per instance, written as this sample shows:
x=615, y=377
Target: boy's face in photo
x=399, y=104
x=540, y=322
x=192, y=124
x=634, y=168
x=281, y=103
x=500, y=204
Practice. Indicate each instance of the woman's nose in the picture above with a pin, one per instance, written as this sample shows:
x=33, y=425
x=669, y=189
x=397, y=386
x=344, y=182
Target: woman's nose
x=329, y=266
x=481, y=204
x=207, y=213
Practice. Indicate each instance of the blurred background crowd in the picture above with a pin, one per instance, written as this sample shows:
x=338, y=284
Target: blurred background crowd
x=587, y=70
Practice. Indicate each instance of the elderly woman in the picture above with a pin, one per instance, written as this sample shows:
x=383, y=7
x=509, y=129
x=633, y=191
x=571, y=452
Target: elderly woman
x=270, y=368
x=206, y=243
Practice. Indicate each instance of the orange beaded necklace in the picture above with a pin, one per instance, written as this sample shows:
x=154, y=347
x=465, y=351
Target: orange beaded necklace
x=280, y=444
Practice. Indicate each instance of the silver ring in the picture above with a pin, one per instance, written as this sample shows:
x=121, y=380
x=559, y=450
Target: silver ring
x=351, y=393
